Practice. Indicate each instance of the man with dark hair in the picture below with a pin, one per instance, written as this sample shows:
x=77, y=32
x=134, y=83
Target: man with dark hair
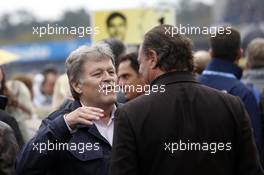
x=128, y=75
x=188, y=128
x=116, y=26
x=224, y=74
x=118, y=48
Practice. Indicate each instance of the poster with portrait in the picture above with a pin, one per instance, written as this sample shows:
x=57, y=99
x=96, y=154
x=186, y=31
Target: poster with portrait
x=130, y=25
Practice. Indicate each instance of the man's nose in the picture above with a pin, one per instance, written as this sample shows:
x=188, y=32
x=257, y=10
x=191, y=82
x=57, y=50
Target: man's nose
x=108, y=77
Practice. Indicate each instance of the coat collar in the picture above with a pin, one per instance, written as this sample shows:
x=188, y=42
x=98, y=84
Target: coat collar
x=174, y=77
x=221, y=65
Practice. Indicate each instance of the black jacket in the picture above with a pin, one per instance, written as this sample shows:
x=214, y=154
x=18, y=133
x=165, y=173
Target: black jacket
x=11, y=121
x=178, y=131
x=8, y=150
x=74, y=160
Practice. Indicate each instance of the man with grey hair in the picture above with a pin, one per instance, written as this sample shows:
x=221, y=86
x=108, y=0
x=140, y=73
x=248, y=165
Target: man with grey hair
x=77, y=139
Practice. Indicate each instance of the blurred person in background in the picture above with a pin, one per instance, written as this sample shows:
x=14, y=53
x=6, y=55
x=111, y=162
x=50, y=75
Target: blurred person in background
x=62, y=92
x=128, y=75
x=27, y=80
x=8, y=150
x=4, y=116
x=20, y=106
x=43, y=92
x=32, y=122
x=201, y=59
x=224, y=74
x=116, y=26
x=254, y=74
x=118, y=49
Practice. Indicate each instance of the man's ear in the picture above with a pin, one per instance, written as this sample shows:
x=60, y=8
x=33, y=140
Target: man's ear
x=77, y=87
x=153, y=58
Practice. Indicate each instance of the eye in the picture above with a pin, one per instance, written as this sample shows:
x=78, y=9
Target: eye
x=111, y=72
x=97, y=74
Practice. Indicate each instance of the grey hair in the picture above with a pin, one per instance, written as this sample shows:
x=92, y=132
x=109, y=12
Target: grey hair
x=255, y=53
x=78, y=57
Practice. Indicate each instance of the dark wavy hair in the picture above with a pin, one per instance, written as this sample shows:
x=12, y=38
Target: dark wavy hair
x=174, y=51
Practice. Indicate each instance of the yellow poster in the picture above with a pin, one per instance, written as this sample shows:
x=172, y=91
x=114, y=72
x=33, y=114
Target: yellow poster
x=129, y=26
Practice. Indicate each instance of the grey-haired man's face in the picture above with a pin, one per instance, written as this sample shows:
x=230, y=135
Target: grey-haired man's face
x=97, y=74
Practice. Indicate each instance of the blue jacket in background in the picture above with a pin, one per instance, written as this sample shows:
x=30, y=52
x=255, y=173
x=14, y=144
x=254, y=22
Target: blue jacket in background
x=225, y=76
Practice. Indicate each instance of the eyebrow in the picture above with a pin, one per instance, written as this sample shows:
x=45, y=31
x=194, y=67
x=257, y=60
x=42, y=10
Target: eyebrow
x=99, y=69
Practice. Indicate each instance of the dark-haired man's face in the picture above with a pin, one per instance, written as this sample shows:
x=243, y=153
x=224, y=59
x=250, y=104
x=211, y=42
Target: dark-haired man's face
x=117, y=28
x=145, y=68
x=127, y=76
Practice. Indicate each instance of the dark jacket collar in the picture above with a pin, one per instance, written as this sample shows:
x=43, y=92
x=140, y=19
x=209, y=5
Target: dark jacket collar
x=226, y=66
x=174, y=77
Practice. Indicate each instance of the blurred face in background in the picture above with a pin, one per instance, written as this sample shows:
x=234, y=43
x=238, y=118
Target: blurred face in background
x=96, y=86
x=128, y=76
x=117, y=28
x=49, y=83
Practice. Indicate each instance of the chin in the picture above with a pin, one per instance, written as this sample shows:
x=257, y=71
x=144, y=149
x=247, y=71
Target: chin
x=109, y=99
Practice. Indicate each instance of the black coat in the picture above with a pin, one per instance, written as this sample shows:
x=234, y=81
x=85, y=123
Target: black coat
x=150, y=129
x=11, y=121
x=74, y=160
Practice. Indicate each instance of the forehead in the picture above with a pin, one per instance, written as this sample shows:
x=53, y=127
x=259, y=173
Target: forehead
x=125, y=67
x=92, y=64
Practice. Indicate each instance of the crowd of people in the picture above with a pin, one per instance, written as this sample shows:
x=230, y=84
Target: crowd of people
x=204, y=113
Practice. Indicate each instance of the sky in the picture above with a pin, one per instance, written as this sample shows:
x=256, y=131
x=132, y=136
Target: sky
x=53, y=9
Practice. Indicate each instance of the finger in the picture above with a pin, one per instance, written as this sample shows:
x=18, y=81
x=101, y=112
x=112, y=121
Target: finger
x=92, y=112
x=84, y=121
x=89, y=116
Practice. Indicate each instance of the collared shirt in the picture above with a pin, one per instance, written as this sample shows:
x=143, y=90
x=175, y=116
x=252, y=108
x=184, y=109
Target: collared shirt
x=106, y=130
